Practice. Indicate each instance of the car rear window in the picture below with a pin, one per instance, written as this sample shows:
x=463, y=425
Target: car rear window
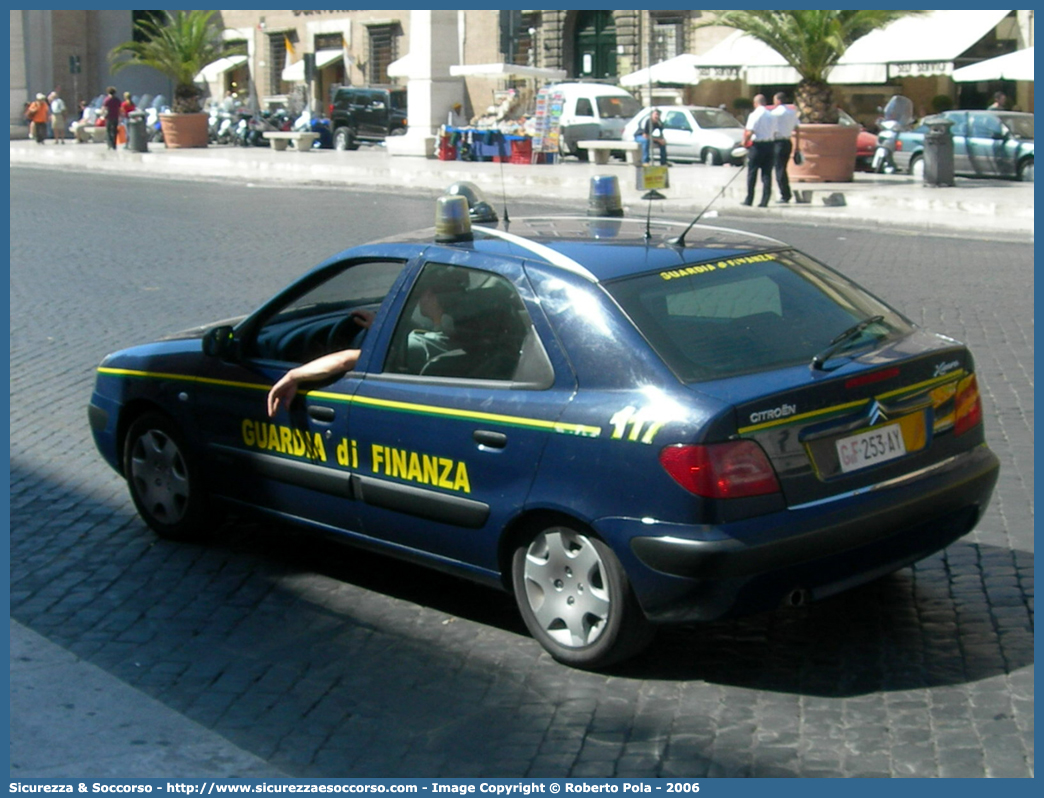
x=750, y=313
x=617, y=107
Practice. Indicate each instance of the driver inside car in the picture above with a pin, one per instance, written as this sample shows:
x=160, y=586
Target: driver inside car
x=423, y=345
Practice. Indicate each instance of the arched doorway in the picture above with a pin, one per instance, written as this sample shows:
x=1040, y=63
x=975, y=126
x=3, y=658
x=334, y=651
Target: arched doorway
x=595, y=45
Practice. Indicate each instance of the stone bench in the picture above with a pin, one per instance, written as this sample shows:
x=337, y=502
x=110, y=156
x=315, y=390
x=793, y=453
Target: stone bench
x=600, y=149
x=302, y=141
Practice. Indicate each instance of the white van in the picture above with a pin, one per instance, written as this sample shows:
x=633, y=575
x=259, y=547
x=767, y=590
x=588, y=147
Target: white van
x=592, y=111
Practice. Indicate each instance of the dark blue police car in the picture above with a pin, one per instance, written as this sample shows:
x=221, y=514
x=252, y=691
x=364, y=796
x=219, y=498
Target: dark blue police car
x=622, y=425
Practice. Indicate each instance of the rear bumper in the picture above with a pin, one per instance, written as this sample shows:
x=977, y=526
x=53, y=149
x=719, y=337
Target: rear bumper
x=817, y=549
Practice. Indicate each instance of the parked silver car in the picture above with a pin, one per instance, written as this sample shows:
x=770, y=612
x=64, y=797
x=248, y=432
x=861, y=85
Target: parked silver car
x=693, y=132
x=985, y=144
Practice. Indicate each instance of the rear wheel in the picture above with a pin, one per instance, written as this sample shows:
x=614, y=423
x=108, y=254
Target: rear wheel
x=712, y=157
x=576, y=599
x=164, y=481
x=344, y=139
x=917, y=166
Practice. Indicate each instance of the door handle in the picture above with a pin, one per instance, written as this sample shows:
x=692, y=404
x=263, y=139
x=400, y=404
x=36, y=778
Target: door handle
x=495, y=440
x=321, y=413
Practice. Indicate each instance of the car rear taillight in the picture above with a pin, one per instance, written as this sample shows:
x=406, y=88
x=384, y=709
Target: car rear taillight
x=967, y=406
x=730, y=470
x=330, y=112
x=898, y=144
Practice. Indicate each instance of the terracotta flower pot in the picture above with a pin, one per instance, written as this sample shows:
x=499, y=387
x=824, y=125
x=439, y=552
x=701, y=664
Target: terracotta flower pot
x=830, y=154
x=184, y=130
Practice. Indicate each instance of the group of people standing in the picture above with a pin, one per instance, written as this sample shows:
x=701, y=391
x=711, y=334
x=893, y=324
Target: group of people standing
x=768, y=134
x=46, y=109
x=50, y=109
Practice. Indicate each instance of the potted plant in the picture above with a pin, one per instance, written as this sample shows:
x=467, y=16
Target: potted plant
x=178, y=45
x=812, y=42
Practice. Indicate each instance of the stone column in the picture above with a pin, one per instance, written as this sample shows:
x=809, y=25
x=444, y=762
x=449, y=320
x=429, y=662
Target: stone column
x=430, y=92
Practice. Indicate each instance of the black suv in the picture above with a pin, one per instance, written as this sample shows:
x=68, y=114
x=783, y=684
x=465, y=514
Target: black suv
x=366, y=114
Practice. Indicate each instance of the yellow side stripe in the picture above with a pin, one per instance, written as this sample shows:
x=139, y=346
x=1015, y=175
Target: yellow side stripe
x=407, y=407
x=953, y=376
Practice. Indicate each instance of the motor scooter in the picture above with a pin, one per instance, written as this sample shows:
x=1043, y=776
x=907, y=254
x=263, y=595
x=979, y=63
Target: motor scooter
x=898, y=116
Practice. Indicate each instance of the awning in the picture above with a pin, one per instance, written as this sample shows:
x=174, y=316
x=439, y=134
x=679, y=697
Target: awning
x=912, y=46
x=680, y=70
x=401, y=68
x=215, y=69
x=924, y=45
x=502, y=70
x=1013, y=66
x=294, y=73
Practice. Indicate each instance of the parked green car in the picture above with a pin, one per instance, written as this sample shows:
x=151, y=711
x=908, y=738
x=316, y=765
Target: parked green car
x=985, y=144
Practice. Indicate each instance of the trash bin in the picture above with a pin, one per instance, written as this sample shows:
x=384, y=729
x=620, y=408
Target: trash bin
x=938, y=152
x=137, y=141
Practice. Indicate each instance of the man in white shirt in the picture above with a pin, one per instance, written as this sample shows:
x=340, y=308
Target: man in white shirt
x=786, y=126
x=759, y=135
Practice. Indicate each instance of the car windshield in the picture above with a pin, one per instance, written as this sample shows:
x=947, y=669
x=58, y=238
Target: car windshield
x=1021, y=126
x=751, y=313
x=617, y=107
x=714, y=118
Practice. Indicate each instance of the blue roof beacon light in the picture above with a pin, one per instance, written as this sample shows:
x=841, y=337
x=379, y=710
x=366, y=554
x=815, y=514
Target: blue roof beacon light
x=480, y=210
x=604, y=197
x=452, y=222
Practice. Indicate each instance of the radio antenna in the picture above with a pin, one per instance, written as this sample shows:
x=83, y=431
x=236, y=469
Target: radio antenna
x=680, y=240
x=503, y=187
x=650, y=195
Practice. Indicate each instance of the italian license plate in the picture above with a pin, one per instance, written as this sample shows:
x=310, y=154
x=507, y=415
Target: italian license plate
x=869, y=448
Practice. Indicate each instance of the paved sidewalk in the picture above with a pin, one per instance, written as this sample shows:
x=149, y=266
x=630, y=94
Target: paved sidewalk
x=70, y=719
x=994, y=208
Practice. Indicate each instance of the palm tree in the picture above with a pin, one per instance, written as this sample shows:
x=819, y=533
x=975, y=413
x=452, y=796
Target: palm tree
x=812, y=42
x=178, y=45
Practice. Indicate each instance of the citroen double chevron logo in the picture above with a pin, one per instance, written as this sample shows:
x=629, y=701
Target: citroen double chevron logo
x=876, y=413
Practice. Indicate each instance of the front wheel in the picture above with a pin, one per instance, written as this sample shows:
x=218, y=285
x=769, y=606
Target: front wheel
x=163, y=480
x=576, y=599
x=1026, y=171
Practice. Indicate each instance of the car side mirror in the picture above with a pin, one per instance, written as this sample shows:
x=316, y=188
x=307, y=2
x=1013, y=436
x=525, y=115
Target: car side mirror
x=219, y=342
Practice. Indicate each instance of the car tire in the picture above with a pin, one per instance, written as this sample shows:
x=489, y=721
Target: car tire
x=712, y=157
x=576, y=599
x=344, y=139
x=917, y=166
x=163, y=479
x=1025, y=173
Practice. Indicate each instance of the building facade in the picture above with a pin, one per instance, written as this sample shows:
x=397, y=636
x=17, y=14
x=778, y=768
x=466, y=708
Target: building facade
x=309, y=53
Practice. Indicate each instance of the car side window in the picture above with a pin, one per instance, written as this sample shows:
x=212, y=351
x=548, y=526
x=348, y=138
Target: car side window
x=584, y=107
x=675, y=120
x=470, y=324
x=319, y=320
x=985, y=126
x=960, y=125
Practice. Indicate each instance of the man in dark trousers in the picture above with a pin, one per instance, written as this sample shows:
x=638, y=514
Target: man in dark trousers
x=759, y=135
x=111, y=104
x=786, y=126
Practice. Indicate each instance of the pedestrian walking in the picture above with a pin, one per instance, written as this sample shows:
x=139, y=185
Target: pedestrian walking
x=37, y=113
x=759, y=136
x=786, y=127
x=57, y=116
x=111, y=106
